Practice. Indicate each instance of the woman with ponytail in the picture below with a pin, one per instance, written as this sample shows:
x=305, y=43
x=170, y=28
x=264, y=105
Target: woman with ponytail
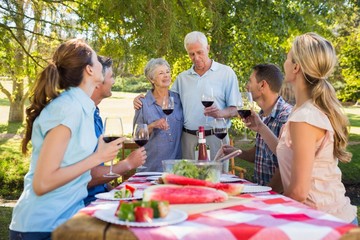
x=315, y=137
x=60, y=126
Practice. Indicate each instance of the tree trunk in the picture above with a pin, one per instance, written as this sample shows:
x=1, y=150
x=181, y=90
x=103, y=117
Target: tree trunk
x=16, y=113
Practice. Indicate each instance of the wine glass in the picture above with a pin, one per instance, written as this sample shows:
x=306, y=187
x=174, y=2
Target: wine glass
x=207, y=99
x=141, y=136
x=244, y=106
x=168, y=106
x=220, y=128
x=113, y=129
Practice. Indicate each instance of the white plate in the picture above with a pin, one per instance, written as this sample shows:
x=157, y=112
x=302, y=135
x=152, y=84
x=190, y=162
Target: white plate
x=174, y=216
x=148, y=174
x=255, y=189
x=152, y=178
x=138, y=194
x=225, y=175
x=231, y=179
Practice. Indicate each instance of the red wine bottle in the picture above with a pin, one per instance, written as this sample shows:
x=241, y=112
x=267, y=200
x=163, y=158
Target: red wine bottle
x=202, y=150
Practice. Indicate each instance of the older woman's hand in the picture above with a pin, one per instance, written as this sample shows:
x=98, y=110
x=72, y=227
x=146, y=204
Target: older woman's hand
x=160, y=123
x=136, y=158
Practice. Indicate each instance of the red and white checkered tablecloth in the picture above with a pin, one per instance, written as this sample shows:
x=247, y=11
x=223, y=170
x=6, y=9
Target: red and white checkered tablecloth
x=265, y=216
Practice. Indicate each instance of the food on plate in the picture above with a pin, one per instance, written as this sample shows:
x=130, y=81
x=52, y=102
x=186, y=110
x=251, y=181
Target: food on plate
x=161, y=208
x=126, y=192
x=179, y=194
x=143, y=214
x=230, y=189
x=188, y=169
x=142, y=211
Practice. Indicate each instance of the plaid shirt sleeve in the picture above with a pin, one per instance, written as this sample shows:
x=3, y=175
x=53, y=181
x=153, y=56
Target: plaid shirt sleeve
x=265, y=160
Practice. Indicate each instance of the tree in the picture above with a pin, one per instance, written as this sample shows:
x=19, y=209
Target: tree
x=30, y=30
x=241, y=34
x=347, y=43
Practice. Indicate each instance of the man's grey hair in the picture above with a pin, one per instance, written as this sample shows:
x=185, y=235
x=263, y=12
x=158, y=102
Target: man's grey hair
x=194, y=37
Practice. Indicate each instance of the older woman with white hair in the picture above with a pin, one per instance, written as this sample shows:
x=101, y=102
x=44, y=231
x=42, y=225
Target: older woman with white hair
x=165, y=130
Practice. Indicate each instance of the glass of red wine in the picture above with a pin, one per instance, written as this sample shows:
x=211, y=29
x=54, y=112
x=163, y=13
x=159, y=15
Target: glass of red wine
x=141, y=136
x=207, y=99
x=168, y=106
x=220, y=128
x=244, y=106
x=113, y=129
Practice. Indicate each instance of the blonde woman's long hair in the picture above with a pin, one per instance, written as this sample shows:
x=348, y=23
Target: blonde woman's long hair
x=317, y=59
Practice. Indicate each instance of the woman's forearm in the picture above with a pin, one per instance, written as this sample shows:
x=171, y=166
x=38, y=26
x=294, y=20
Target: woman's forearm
x=269, y=137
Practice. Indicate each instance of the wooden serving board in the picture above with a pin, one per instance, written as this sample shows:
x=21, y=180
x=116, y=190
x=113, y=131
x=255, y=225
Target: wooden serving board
x=205, y=207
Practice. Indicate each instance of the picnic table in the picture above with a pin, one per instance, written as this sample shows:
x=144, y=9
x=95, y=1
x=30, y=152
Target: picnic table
x=252, y=215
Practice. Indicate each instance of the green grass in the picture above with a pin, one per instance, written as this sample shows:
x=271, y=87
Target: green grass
x=354, y=119
x=351, y=170
x=13, y=167
x=12, y=128
x=5, y=218
x=4, y=102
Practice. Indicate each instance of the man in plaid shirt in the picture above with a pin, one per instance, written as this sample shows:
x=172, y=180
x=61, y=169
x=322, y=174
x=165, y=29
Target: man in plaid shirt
x=264, y=84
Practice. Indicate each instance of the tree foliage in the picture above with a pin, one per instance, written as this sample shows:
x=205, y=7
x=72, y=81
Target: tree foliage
x=241, y=34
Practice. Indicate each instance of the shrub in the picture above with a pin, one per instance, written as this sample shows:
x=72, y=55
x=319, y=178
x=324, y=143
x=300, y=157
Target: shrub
x=134, y=84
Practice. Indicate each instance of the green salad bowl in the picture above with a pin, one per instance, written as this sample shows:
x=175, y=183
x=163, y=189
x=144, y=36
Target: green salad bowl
x=204, y=170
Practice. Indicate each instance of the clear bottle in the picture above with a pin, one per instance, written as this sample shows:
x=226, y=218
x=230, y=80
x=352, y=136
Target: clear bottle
x=202, y=150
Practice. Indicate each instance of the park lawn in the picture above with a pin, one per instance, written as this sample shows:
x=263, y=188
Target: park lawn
x=5, y=218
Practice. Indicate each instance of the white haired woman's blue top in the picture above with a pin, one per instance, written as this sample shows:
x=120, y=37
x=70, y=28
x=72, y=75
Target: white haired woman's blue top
x=162, y=144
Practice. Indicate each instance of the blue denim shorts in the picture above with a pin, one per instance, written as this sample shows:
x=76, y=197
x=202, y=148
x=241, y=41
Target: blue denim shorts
x=14, y=235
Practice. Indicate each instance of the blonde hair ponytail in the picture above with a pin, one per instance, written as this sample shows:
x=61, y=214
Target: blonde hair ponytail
x=324, y=97
x=317, y=59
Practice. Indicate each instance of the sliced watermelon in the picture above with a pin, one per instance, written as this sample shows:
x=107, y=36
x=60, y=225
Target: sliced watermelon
x=231, y=189
x=178, y=194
